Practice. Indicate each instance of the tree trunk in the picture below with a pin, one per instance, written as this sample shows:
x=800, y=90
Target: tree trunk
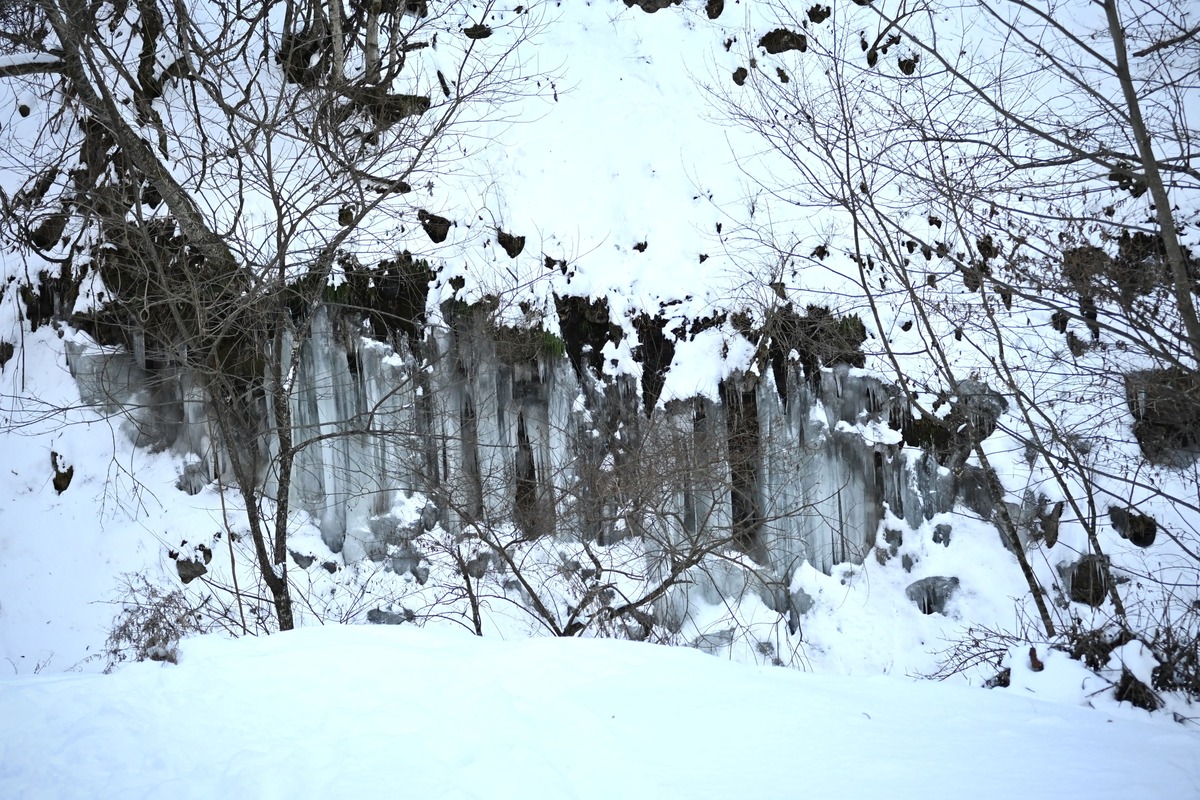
x=371, y=74
x=1182, y=282
x=337, y=73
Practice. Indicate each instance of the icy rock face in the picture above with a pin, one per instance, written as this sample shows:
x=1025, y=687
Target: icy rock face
x=931, y=594
x=1140, y=529
x=486, y=427
x=1087, y=579
x=494, y=426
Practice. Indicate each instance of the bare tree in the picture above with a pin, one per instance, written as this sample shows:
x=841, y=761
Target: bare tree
x=1002, y=179
x=232, y=159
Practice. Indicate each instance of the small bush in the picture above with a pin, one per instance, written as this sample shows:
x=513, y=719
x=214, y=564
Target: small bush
x=150, y=623
x=1177, y=648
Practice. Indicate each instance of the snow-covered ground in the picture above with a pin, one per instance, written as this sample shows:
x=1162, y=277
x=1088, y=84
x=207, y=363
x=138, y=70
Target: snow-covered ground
x=61, y=554
x=380, y=711
x=400, y=712
x=623, y=149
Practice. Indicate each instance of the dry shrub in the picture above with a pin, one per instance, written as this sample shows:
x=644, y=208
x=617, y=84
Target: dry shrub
x=150, y=623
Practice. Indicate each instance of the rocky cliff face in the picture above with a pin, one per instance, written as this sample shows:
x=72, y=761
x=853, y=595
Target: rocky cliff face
x=496, y=426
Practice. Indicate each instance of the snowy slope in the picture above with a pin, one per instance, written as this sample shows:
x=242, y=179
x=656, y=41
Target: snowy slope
x=386, y=712
x=623, y=148
x=61, y=554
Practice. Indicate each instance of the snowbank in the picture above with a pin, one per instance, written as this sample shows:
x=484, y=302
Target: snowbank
x=401, y=712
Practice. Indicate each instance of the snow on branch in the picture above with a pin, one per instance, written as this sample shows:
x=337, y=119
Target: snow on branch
x=28, y=64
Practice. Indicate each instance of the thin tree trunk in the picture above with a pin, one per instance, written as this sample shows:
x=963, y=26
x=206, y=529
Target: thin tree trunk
x=281, y=401
x=276, y=580
x=1176, y=262
x=337, y=74
x=372, y=47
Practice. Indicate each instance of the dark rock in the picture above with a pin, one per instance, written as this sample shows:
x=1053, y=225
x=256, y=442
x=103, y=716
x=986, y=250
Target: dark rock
x=6, y=353
x=302, y=561
x=1088, y=580
x=974, y=414
x=1130, y=689
x=429, y=516
x=744, y=442
x=297, y=53
x=1140, y=265
x=819, y=13
x=377, y=616
x=1085, y=269
x=799, y=602
x=437, y=228
x=1091, y=315
x=478, y=31
x=586, y=328
x=1138, y=528
x=715, y=643
x=189, y=570
x=1077, y=346
x=792, y=604
x=820, y=338
x=49, y=231
x=655, y=352
x=385, y=109
x=1049, y=523
x=973, y=488
x=1165, y=405
x=513, y=245
x=1137, y=270
x=895, y=539
x=1000, y=680
x=782, y=40
x=62, y=477
x=403, y=554
x=477, y=566
x=980, y=405
x=739, y=76
x=714, y=8
x=193, y=479
x=941, y=534
x=650, y=6
x=931, y=594
x=1095, y=647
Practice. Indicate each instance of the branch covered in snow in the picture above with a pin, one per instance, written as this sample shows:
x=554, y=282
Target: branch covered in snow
x=29, y=64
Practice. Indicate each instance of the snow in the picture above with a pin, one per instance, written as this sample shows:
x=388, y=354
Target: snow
x=387, y=711
x=704, y=360
x=617, y=145
x=61, y=555
x=9, y=61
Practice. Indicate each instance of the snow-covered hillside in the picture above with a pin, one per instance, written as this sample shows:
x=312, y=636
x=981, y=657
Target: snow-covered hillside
x=596, y=330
